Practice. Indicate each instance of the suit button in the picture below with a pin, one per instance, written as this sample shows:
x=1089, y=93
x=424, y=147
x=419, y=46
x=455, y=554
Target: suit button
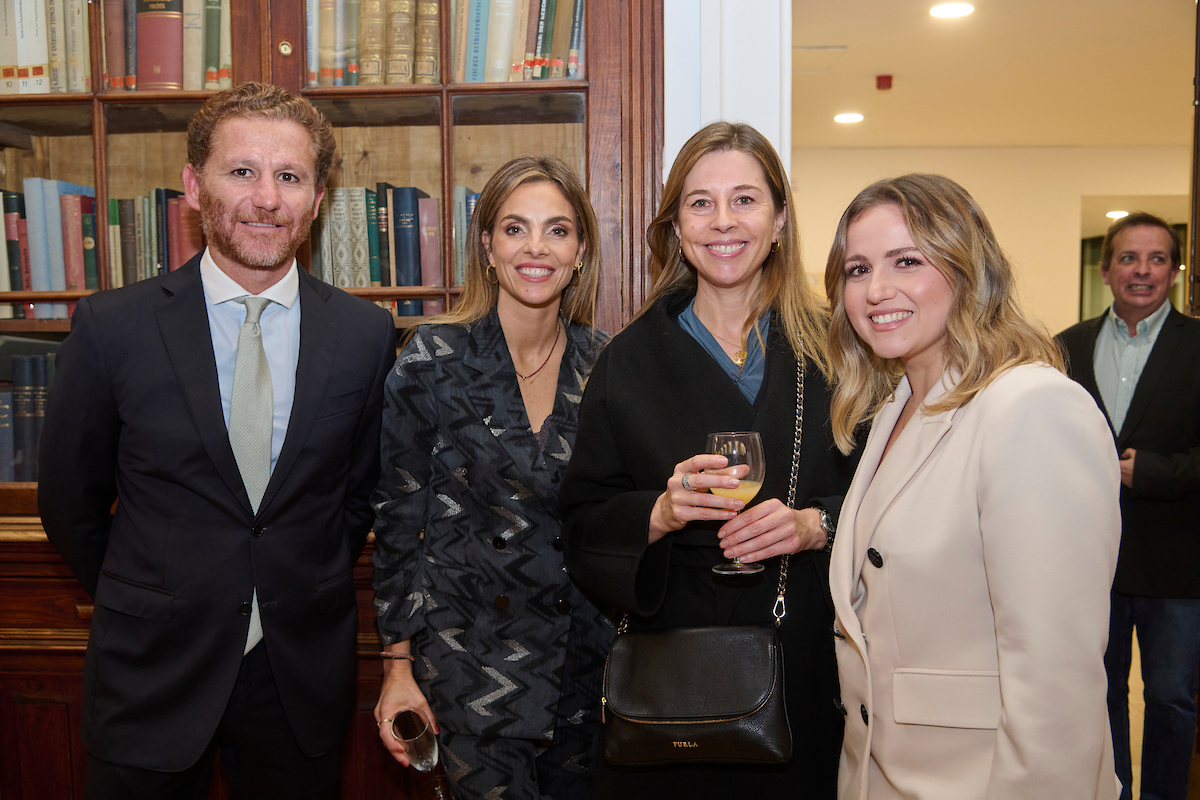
x=874, y=557
x=556, y=543
x=257, y=531
x=866, y=719
x=498, y=542
x=563, y=606
x=840, y=706
x=244, y=609
x=838, y=633
x=501, y=602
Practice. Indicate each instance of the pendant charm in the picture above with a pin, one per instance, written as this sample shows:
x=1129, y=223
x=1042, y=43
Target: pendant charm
x=739, y=358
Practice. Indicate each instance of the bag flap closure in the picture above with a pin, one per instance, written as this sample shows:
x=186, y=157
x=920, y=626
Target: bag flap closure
x=691, y=674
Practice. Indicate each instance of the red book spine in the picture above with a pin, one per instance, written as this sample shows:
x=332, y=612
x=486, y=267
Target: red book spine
x=114, y=42
x=160, y=45
x=191, y=237
x=23, y=238
x=72, y=236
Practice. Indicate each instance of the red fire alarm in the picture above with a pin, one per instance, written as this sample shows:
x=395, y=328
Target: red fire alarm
x=883, y=81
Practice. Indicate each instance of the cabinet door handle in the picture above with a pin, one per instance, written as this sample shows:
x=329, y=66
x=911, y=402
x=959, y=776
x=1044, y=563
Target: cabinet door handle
x=84, y=610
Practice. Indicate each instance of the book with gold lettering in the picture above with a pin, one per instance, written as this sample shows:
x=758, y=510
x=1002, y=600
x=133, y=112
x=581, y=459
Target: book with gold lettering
x=427, y=63
x=370, y=42
x=160, y=45
x=401, y=41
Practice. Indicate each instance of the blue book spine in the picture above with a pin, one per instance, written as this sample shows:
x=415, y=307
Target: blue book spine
x=131, y=44
x=6, y=436
x=24, y=423
x=406, y=239
x=39, y=255
x=477, y=27
x=51, y=191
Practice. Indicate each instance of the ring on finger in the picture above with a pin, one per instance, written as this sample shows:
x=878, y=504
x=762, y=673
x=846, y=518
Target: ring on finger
x=686, y=484
x=382, y=722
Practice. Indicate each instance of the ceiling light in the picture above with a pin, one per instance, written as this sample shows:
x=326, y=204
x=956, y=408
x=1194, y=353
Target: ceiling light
x=848, y=118
x=947, y=10
x=1117, y=214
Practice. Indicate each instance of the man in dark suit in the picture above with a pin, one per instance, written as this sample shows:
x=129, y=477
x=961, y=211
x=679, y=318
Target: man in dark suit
x=233, y=406
x=1141, y=361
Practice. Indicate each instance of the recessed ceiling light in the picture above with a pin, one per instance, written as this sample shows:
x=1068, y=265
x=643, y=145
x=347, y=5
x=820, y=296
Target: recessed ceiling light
x=848, y=118
x=946, y=10
x=1117, y=214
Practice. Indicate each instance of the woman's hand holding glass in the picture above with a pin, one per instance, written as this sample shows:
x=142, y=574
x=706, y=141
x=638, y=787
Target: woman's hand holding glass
x=771, y=529
x=688, y=502
x=399, y=693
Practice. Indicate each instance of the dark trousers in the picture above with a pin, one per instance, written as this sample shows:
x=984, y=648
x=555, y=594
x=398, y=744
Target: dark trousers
x=1168, y=632
x=258, y=752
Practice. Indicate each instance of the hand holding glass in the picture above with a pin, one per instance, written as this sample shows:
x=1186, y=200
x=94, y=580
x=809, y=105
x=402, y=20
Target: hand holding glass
x=411, y=729
x=741, y=449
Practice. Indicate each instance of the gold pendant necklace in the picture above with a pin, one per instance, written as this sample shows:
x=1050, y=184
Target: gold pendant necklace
x=738, y=358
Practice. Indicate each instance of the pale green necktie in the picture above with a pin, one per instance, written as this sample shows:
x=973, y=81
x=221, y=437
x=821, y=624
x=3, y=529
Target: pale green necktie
x=251, y=419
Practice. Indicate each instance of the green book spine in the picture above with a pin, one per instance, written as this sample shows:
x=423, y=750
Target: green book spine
x=373, y=237
x=91, y=277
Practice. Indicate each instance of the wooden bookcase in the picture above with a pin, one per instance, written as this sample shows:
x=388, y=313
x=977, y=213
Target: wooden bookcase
x=608, y=125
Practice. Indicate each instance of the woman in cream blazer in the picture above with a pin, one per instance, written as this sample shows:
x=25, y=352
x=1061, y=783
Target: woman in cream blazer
x=978, y=541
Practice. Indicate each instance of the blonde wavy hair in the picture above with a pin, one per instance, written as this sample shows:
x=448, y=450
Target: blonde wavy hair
x=986, y=331
x=479, y=294
x=784, y=287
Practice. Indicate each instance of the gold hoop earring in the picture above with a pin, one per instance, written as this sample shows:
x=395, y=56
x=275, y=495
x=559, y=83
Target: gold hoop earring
x=682, y=257
x=775, y=246
x=490, y=274
x=577, y=275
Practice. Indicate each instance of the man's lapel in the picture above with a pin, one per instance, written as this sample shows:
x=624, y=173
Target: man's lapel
x=183, y=323
x=320, y=333
x=1169, y=337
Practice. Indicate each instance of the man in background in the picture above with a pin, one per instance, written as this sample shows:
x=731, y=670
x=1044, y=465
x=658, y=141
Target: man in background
x=1141, y=361
x=234, y=407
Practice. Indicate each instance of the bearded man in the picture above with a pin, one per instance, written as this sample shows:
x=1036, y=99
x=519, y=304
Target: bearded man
x=233, y=406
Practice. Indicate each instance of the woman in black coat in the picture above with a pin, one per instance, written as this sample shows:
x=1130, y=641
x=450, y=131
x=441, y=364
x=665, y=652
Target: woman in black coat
x=728, y=332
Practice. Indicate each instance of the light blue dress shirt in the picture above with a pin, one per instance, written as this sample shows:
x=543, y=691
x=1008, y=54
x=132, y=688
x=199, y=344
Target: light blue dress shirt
x=1119, y=359
x=280, y=326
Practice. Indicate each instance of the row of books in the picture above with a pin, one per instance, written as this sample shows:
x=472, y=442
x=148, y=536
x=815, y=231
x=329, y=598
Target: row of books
x=50, y=244
x=22, y=413
x=50, y=241
x=387, y=236
x=517, y=40
x=165, y=45
x=44, y=47
x=151, y=234
x=372, y=42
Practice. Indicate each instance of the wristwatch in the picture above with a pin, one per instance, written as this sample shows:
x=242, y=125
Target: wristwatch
x=827, y=525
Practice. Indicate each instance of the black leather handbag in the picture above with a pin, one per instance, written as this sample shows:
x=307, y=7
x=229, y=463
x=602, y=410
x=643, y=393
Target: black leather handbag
x=709, y=694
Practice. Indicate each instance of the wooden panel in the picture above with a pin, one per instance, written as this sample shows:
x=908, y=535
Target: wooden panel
x=44, y=602
x=479, y=150
x=41, y=757
x=148, y=161
x=401, y=156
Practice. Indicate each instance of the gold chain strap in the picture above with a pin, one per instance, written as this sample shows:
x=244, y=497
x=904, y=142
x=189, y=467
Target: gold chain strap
x=780, y=609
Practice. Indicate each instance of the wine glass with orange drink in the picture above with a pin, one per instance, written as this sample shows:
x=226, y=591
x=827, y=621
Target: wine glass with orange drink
x=744, y=460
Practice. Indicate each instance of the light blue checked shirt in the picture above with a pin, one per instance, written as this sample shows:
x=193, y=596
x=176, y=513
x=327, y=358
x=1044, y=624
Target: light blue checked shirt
x=1120, y=358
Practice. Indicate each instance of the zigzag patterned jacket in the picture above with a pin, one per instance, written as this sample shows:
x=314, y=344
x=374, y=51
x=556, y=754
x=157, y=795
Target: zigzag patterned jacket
x=499, y=630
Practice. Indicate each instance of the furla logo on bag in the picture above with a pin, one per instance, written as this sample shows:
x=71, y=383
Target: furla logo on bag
x=685, y=744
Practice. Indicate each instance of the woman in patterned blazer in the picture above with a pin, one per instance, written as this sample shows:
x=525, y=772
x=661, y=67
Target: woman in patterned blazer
x=484, y=631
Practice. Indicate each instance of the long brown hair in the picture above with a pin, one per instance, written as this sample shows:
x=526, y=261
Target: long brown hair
x=479, y=294
x=986, y=331
x=784, y=287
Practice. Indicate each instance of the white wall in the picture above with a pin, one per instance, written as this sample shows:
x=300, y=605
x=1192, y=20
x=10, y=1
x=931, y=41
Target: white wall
x=726, y=60
x=1030, y=195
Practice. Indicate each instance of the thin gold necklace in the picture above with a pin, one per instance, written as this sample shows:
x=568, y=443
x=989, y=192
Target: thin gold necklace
x=530, y=376
x=739, y=358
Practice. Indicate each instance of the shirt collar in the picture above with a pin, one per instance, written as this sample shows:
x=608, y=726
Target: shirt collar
x=220, y=288
x=1150, y=324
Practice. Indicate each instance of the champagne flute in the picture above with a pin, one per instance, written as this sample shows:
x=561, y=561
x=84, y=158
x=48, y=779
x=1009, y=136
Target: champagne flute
x=413, y=730
x=741, y=449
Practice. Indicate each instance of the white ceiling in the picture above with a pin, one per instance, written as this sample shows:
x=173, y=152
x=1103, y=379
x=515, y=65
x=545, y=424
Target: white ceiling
x=1014, y=73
